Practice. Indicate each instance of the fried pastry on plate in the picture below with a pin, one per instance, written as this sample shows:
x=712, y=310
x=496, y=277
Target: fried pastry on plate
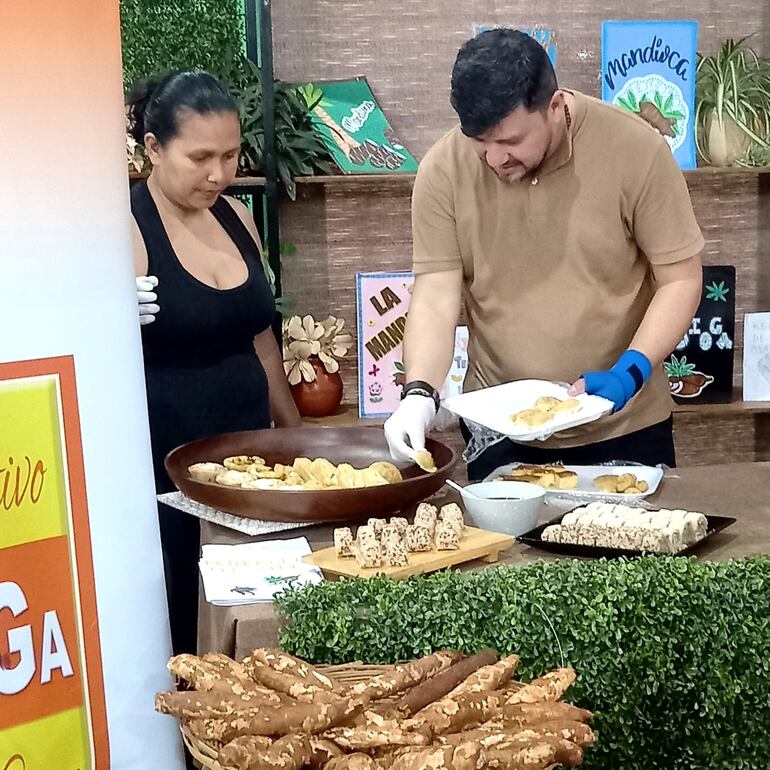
x=546, y=403
x=531, y=418
x=567, y=406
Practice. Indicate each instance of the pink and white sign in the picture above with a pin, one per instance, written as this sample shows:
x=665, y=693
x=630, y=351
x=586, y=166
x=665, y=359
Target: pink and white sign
x=383, y=305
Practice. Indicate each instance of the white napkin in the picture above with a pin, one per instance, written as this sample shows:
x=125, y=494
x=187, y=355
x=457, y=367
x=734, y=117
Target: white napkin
x=254, y=572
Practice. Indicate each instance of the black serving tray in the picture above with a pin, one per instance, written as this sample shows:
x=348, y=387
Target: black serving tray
x=534, y=538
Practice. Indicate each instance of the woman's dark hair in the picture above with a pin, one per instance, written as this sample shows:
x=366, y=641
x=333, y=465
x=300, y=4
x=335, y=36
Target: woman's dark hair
x=154, y=104
x=496, y=72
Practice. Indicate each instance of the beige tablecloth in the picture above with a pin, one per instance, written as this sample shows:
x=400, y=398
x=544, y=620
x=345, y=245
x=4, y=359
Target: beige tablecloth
x=739, y=490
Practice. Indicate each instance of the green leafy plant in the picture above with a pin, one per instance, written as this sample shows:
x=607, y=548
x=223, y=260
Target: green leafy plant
x=672, y=654
x=161, y=35
x=732, y=114
x=665, y=107
x=678, y=367
x=299, y=150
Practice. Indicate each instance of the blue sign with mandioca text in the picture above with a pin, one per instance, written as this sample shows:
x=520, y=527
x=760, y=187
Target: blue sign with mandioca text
x=648, y=67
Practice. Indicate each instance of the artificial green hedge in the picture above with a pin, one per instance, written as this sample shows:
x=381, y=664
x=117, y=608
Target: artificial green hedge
x=672, y=654
x=162, y=35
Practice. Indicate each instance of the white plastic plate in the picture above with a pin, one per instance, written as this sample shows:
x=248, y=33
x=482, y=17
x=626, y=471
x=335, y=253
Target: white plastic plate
x=493, y=408
x=586, y=475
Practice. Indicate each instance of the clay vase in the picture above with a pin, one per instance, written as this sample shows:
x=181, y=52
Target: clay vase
x=321, y=397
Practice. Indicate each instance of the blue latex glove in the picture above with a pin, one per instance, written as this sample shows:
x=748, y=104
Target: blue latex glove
x=623, y=381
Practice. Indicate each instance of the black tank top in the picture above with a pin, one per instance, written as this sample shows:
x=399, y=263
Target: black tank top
x=202, y=373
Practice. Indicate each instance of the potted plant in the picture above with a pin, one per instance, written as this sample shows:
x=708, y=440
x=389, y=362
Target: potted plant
x=311, y=354
x=732, y=114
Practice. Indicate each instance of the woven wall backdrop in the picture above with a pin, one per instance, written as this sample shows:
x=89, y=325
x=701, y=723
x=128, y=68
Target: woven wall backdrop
x=406, y=50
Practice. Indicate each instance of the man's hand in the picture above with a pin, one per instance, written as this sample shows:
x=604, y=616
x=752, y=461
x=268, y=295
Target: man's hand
x=409, y=423
x=618, y=384
x=147, y=298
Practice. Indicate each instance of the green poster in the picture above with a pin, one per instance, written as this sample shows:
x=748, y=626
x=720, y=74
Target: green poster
x=356, y=130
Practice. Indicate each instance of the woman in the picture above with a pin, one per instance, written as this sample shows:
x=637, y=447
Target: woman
x=212, y=363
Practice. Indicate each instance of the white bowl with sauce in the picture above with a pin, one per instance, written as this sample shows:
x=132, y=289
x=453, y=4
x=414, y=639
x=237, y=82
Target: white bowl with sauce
x=509, y=507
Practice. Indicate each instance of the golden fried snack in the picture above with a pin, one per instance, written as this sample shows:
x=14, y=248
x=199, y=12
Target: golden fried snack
x=544, y=410
x=388, y=471
x=205, y=471
x=372, y=478
x=546, y=403
x=531, y=418
x=347, y=476
x=566, y=407
x=242, y=462
x=622, y=484
x=232, y=478
x=425, y=460
x=302, y=467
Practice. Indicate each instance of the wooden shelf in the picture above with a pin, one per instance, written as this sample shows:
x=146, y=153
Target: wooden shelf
x=408, y=179
x=734, y=407
x=347, y=414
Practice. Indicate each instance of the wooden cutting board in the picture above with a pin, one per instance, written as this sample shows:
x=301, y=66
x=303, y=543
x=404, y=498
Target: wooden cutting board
x=474, y=544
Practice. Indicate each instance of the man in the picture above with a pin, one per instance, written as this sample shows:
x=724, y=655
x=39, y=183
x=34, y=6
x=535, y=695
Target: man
x=565, y=226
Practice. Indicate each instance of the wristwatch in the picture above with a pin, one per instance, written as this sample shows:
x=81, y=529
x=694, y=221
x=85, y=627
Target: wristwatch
x=421, y=388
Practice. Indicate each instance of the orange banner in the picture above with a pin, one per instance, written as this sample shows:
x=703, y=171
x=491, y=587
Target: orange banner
x=48, y=620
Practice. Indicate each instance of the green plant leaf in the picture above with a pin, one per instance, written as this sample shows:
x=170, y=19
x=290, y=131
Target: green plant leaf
x=654, y=643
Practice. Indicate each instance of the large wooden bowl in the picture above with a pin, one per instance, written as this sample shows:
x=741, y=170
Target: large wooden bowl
x=358, y=446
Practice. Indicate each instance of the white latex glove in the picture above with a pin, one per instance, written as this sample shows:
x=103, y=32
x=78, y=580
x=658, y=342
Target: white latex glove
x=147, y=298
x=409, y=423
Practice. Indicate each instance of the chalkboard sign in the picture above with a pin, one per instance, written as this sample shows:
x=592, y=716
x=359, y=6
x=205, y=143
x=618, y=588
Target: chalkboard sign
x=701, y=368
x=648, y=67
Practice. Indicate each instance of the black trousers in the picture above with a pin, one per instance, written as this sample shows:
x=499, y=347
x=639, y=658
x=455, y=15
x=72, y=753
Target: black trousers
x=649, y=446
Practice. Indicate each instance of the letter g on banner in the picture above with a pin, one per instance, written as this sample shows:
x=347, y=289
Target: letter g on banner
x=14, y=680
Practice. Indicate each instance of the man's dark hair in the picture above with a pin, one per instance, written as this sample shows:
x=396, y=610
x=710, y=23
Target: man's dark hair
x=494, y=73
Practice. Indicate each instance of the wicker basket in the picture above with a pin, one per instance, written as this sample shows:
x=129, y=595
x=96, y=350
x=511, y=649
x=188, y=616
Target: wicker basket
x=206, y=754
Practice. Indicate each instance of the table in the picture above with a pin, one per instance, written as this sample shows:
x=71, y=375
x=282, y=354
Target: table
x=739, y=490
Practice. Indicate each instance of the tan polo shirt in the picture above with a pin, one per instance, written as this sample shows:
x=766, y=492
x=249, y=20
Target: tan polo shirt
x=556, y=267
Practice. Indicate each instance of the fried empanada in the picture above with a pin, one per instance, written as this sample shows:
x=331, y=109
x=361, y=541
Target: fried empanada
x=531, y=418
x=242, y=462
x=232, y=478
x=425, y=460
x=205, y=471
x=546, y=403
x=388, y=471
x=323, y=471
x=567, y=406
x=373, y=479
x=301, y=467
